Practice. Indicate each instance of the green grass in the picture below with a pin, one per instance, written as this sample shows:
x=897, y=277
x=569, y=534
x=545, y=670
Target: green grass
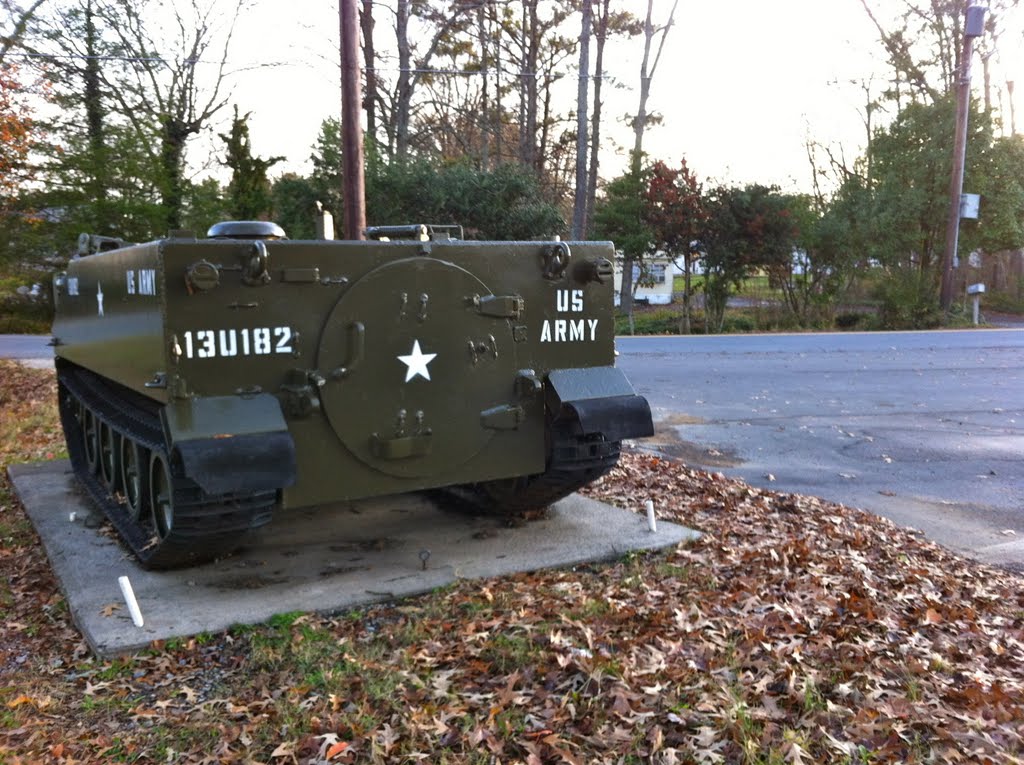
x=666, y=321
x=592, y=608
x=814, y=699
x=755, y=287
x=862, y=756
x=284, y=620
x=667, y=570
x=13, y=324
x=508, y=652
x=877, y=302
x=173, y=740
x=115, y=669
x=1011, y=301
x=663, y=321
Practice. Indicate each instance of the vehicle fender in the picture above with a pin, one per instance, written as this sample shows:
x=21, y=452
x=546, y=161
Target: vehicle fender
x=601, y=400
x=232, y=444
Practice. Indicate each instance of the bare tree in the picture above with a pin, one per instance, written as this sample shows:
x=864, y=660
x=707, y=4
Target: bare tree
x=71, y=48
x=647, y=70
x=21, y=18
x=601, y=37
x=366, y=23
x=606, y=23
x=483, y=42
x=536, y=46
x=640, y=123
x=413, y=67
x=403, y=96
x=163, y=95
x=530, y=45
x=923, y=43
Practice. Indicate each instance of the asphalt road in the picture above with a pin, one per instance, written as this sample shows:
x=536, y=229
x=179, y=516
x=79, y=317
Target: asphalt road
x=32, y=348
x=926, y=428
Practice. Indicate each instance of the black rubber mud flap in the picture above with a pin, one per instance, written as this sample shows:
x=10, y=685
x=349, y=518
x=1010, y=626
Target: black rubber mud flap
x=601, y=400
x=245, y=463
x=232, y=443
x=615, y=418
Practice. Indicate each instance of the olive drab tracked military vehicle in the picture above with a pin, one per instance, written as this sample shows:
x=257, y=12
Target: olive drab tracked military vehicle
x=205, y=383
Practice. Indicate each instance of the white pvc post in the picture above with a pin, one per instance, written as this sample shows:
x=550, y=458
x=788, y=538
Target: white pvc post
x=129, y=598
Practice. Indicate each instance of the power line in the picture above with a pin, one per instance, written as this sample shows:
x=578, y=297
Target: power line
x=85, y=57
x=474, y=72
x=375, y=70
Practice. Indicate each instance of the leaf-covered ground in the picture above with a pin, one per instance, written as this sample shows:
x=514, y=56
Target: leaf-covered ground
x=795, y=631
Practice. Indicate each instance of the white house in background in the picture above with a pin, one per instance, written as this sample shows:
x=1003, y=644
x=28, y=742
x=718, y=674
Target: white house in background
x=656, y=288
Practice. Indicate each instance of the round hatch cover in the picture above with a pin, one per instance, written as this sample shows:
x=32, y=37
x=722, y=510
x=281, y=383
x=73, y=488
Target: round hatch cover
x=411, y=365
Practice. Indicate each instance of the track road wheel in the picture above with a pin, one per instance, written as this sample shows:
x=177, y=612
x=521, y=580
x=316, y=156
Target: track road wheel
x=91, y=436
x=135, y=479
x=110, y=457
x=161, y=494
x=574, y=461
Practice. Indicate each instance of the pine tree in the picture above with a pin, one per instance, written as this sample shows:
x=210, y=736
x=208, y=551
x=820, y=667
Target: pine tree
x=248, y=195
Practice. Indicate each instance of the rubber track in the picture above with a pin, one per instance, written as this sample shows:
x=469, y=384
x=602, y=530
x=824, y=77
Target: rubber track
x=574, y=462
x=205, y=526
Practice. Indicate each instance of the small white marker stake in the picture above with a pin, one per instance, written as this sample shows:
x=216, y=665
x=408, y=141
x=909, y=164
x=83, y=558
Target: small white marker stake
x=652, y=523
x=129, y=598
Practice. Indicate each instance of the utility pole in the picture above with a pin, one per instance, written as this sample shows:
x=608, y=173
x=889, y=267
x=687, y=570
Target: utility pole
x=974, y=26
x=353, y=183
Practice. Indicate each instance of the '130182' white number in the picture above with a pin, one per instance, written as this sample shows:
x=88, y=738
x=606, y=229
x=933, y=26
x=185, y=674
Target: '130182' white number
x=259, y=341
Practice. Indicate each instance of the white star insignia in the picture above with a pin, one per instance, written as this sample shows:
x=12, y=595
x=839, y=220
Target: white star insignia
x=417, y=362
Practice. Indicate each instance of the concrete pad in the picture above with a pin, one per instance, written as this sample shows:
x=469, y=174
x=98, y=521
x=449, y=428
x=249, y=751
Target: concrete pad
x=328, y=559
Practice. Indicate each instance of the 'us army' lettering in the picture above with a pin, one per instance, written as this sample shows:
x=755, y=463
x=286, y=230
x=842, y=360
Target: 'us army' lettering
x=141, y=282
x=569, y=301
x=568, y=330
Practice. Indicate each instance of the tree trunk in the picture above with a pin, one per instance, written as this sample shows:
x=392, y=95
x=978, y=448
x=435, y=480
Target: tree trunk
x=636, y=157
x=595, y=117
x=94, y=122
x=528, y=87
x=626, y=288
x=640, y=122
x=687, y=283
x=485, y=118
x=1013, y=114
x=647, y=69
x=404, y=79
x=540, y=156
x=499, y=124
x=370, y=67
x=173, y=135
x=579, y=212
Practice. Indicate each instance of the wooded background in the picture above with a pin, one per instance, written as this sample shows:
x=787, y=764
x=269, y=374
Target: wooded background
x=103, y=103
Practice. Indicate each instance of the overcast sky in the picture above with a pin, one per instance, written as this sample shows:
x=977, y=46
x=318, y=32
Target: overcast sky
x=741, y=86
